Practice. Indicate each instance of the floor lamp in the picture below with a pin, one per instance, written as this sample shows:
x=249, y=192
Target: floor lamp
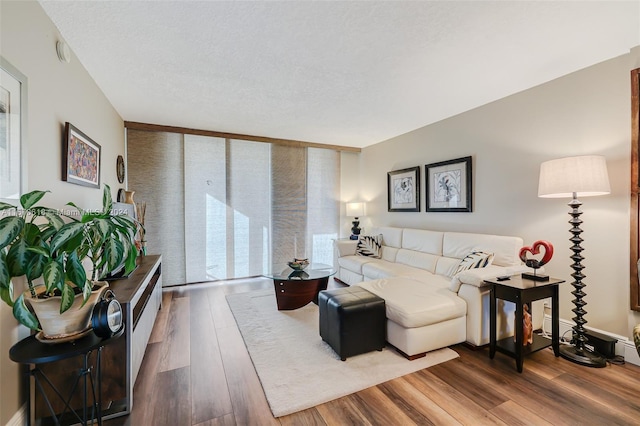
x=574, y=177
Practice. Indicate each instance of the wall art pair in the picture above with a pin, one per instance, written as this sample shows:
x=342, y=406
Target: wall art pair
x=448, y=187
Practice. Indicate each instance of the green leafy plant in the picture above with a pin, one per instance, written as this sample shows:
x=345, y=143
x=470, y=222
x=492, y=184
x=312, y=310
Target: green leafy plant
x=42, y=243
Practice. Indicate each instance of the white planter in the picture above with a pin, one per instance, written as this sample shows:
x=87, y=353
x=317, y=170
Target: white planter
x=73, y=321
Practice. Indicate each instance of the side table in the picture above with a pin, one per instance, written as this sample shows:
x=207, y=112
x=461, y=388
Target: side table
x=523, y=291
x=295, y=289
x=30, y=351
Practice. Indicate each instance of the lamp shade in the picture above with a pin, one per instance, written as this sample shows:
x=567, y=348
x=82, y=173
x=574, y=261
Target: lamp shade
x=584, y=175
x=355, y=209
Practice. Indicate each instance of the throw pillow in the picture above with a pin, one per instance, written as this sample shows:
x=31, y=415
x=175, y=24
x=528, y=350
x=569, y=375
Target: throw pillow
x=475, y=259
x=370, y=246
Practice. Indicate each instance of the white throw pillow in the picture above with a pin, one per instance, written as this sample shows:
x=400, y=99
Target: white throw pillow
x=475, y=259
x=370, y=246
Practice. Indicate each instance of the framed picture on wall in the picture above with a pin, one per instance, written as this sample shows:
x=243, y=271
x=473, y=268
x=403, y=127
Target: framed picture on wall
x=80, y=158
x=403, y=190
x=449, y=186
x=13, y=101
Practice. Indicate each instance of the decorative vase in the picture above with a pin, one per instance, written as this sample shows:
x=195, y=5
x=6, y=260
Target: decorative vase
x=636, y=337
x=128, y=197
x=74, y=322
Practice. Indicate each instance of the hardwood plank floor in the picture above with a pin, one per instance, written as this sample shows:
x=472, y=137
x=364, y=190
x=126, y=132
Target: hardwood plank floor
x=197, y=371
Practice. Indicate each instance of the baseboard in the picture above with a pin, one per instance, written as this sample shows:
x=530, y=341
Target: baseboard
x=624, y=346
x=19, y=418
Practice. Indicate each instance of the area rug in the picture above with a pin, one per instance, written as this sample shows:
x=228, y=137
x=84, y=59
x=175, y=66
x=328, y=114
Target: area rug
x=297, y=369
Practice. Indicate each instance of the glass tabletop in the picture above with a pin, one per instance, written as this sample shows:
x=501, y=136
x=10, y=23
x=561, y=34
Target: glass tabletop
x=312, y=272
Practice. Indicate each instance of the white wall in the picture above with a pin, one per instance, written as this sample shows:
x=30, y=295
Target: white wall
x=57, y=92
x=587, y=112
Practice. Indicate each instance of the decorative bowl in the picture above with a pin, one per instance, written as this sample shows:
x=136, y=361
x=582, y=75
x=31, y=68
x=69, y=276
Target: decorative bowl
x=298, y=264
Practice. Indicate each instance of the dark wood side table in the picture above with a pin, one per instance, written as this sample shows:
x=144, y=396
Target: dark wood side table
x=32, y=352
x=523, y=291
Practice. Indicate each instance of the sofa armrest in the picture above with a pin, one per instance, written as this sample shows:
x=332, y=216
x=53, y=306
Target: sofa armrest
x=476, y=276
x=345, y=247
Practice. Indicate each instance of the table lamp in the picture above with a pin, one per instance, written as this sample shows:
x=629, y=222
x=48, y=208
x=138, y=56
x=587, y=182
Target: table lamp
x=355, y=210
x=574, y=177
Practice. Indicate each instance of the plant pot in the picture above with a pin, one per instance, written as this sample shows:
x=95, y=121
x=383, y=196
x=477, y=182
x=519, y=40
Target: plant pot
x=73, y=322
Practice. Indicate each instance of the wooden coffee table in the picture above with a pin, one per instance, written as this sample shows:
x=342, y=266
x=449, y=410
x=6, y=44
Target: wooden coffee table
x=295, y=289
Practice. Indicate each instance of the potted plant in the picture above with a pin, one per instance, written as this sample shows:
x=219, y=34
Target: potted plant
x=47, y=249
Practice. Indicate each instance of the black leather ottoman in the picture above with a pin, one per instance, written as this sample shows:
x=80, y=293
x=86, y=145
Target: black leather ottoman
x=352, y=320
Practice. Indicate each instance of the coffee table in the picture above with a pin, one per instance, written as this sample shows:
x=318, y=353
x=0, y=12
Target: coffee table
x=295, y=289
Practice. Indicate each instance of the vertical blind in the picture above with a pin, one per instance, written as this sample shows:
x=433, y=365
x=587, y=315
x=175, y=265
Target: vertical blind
x=155, y=171
x=244, y=206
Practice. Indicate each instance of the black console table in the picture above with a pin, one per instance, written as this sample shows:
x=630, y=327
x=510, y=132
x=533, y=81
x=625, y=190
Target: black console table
x=523, y=291
x=30, y=351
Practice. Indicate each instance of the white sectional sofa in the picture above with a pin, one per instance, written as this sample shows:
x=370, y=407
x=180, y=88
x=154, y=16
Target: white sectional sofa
x=428, y=305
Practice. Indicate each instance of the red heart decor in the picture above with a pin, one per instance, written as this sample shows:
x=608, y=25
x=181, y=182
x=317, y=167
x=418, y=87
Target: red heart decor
x=535, y=249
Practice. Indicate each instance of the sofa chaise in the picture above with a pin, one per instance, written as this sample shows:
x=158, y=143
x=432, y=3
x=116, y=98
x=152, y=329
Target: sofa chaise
x=433, y=298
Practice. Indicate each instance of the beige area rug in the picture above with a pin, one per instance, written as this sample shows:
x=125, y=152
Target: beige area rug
x=297, y=369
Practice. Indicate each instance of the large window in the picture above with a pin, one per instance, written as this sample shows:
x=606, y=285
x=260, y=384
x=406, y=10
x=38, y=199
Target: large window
x=247, y=205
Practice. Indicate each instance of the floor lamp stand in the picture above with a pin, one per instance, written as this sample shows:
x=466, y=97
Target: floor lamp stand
x=577, y=352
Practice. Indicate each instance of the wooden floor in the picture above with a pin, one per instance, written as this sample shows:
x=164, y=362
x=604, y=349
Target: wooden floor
x=196, y=371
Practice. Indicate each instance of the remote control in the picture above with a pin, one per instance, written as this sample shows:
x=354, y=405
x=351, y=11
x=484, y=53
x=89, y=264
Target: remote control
x=503, y=277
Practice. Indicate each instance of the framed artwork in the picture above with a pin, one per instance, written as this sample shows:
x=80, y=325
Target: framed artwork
x=13, y=101
x=403, y=190
x=80, y=158
x=449, y=186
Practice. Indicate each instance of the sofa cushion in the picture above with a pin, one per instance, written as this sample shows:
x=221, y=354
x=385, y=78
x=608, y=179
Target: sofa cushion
x=410, y=303
x=383, y=269
x=389, y=253
x=447, y=266
x=391, y=236
x=354, y=263
x=417, y=259
x=474, y=260
x=505, y=249
x=370, y=246
x=422, y=240
x=476, y=277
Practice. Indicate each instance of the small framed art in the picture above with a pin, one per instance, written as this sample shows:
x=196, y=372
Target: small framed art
x=13, y=116
x=449, y=186
x=403, y=190
x=80, y=158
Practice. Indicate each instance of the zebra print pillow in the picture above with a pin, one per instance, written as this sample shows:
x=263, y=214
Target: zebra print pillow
x=475, y=259
x=370, y=246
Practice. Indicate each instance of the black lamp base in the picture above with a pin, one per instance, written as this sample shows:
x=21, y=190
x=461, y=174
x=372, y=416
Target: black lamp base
x=583, y=357
x=355, y=229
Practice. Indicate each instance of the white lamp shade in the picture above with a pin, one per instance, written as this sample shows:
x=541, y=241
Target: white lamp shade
x=584, y=175
x=355, y=209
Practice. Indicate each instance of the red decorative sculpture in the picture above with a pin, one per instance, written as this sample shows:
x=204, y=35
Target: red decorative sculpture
x=535, y=263
x=535, y=249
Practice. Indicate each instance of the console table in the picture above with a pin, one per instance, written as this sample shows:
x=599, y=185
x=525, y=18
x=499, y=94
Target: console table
x=523, y=291
x=141, y=297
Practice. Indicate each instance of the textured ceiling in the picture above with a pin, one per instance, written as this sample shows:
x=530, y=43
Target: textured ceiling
x=337, y=72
